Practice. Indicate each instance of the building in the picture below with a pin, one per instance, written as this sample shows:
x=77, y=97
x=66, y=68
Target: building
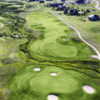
x=42, y=1
x=82, y=1
x=73, y=12
x=31, y=0
x=94, y=17
x=66, y=10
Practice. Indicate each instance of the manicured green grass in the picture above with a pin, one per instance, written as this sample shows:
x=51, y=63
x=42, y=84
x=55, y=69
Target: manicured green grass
x=49, y=47
x=29, y=84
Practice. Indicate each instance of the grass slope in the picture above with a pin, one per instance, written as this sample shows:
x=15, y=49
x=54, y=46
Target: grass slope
x=56, y=42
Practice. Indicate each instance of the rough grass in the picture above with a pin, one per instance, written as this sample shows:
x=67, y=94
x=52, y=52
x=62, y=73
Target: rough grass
x=9, y=50
x=89, y=30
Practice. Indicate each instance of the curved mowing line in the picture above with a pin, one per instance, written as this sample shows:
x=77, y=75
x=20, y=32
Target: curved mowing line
x=79, y=35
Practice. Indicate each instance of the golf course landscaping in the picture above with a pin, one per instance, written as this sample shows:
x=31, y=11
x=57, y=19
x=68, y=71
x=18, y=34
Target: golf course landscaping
x=41, y=58
x=67, y=84
x=57, y=42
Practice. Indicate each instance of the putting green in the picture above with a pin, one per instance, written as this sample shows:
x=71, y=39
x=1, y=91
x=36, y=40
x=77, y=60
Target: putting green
x=57, y=83
x=38, y=84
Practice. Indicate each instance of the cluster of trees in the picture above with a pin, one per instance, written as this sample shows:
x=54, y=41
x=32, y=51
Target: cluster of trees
x=68, y=10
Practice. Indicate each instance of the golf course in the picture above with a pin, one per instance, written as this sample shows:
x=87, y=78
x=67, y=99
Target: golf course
x=45, y=55
x=57, y=41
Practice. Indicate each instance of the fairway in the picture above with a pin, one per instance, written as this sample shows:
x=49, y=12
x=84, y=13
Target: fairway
x=53, y=30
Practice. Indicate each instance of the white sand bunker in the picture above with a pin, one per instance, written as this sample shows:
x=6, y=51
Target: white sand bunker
x=88, y=89
x=37, y=69
x=52, y=97
x=53, y=74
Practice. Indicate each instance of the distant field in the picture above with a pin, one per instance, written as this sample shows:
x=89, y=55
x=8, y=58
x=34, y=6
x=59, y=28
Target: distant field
x=50, y=47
